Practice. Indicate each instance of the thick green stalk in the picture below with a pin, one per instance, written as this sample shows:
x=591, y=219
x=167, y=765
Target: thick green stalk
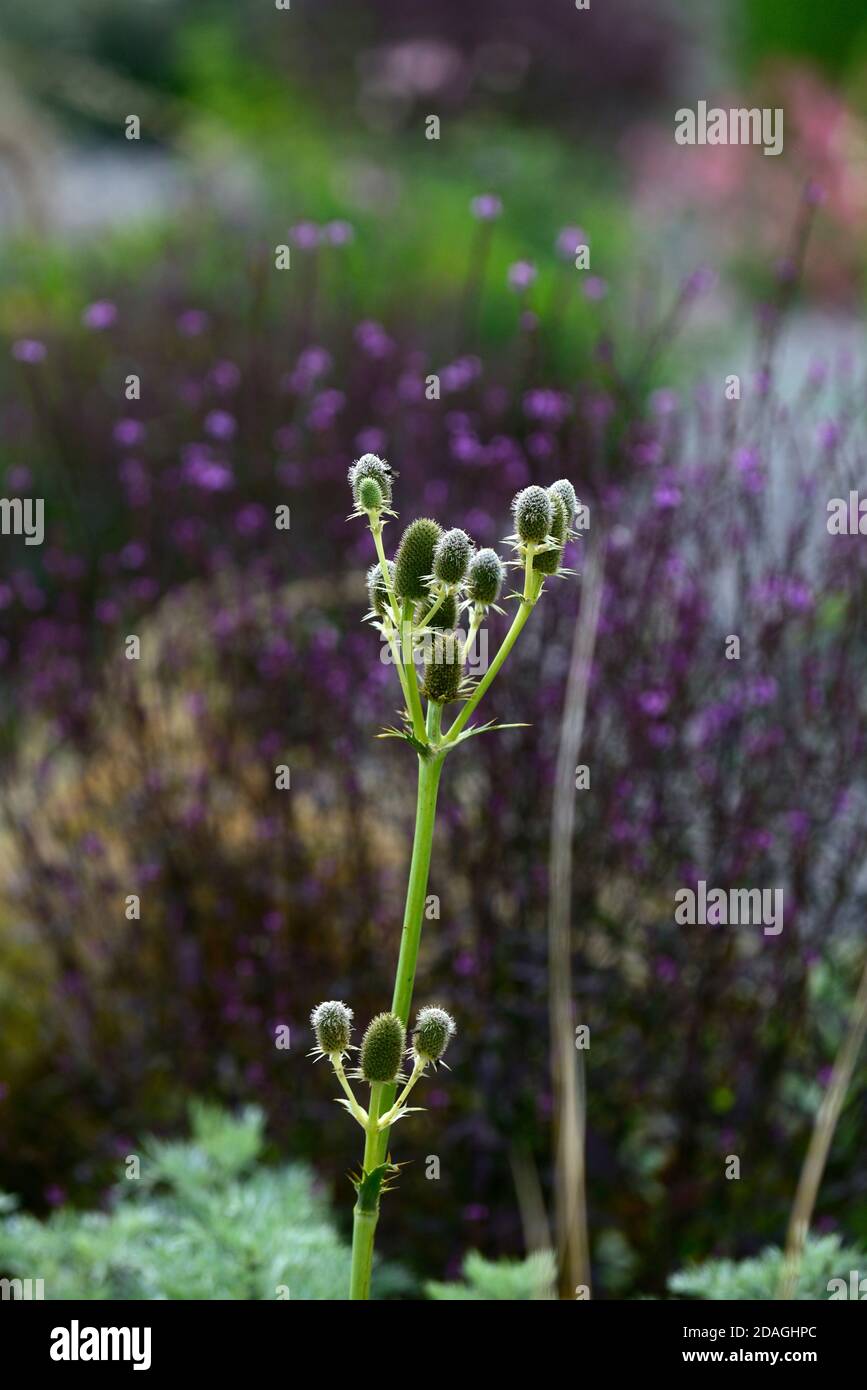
x=382, y=1097
x=366, y=1213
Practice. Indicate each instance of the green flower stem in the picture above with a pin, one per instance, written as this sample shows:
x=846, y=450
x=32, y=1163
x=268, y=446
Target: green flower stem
x=386, y=1120
x=382, y=1096
x=506, y=646
x=356, y=1110
x=477, y=620
x=434, y=608
x=415, y=710
x=406, y=674
x=532, y=588
x=366, y=1213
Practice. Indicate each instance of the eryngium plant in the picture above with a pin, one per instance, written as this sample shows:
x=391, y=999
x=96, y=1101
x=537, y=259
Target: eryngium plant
x=415, y=603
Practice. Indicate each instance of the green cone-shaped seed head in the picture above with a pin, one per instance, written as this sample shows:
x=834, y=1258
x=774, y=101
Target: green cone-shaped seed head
x=442, y=668
x=377, y=593
x=370, y=495
x=549, y=560
x=446, y=615
x=533, y=513
x=382, y=1048
x=413, y=564
x=452, y=555
x=370, y=466
x=566, y=492
x=332, y=1024
x=434, y=1028
x=485, y=576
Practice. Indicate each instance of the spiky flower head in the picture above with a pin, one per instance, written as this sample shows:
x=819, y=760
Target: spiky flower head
x=446, y=615
x=370, y=496
x=452, y=555
x=533, y=514
x=434, y=1029
x=370, y=466
x=485, y=577
x=548, y=561
x=382, y=1048
x=566, y=492
x=442, y=667
x=332, y=1024
x=413, y=564
x=377, y=593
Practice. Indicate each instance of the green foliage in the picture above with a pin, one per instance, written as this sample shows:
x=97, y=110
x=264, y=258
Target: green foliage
x=825, y=1258
x=493, y=1280
x=205, y=1221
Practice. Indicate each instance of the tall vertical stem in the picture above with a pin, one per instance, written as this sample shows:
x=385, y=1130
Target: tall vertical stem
x=382, y=1097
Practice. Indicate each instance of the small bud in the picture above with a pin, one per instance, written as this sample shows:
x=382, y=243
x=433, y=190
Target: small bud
x=382, y=1048
x=434, y=1029
x=533, y=514
x=370, y=495
x=413, y=564
x=442, y=668
x=548, y=562
x=452, y=555
x=370, y=466
x=566, y=492
x=486, y=575
x=377, y=593
x=332, y=1024
x=446, y=615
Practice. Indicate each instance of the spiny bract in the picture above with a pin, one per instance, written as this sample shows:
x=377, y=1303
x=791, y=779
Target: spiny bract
x=413, y=564
x=452, y=555
x=370, y=466
x=533, y=514
x=485, y=578
x=443, y=668
x=382, y=1048
x=377, y=593
x=433, y=1030
x=332, y=1024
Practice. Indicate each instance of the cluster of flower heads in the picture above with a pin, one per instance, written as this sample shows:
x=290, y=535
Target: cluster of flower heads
x=382, y=1052
x=437, y=575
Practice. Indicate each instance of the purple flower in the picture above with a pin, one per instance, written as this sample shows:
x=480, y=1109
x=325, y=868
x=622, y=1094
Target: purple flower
x=487, y=207
x=101, y=314
x=305, y=235
x=219, y=424
x=225, y=375
x=128, y=432
x=654, y=702
x=338, y=233
x=29, y=350
x=595, y=288
x=373, y=340
x=521, y=275
x=568, y=241
x=192, y=323
x=250, y=519
x=547, y=406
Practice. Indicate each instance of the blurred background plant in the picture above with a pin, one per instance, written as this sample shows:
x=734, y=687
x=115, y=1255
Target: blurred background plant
x=156, y=778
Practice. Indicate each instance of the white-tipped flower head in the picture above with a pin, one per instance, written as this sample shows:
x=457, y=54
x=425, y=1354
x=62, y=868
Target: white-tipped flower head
x=413, y=564
x=548, y=561
x=566, y=492
x=443, y=667
x=382, y=1048
x=452, y=555
x=377, y=593
x=332, y=1024
x=370, y=466
x=485, y=577
x=434, y=1029
x=533, y=514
